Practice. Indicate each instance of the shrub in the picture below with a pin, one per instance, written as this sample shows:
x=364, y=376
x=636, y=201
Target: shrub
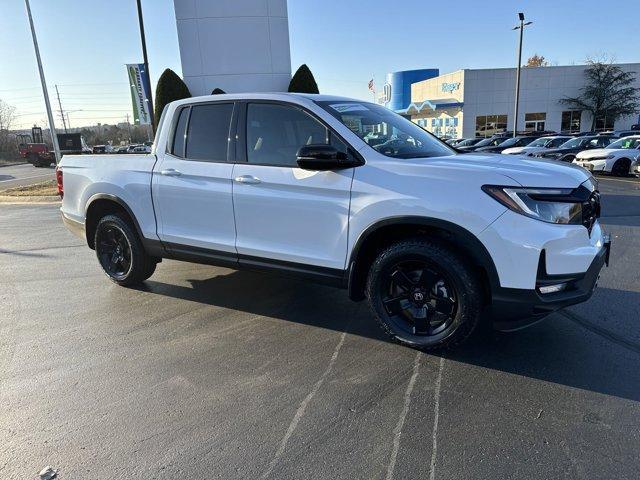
x=217, y=91
x=170, y=87
x=303, y=81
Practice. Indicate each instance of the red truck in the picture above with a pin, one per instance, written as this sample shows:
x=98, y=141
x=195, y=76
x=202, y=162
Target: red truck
x=36, y=151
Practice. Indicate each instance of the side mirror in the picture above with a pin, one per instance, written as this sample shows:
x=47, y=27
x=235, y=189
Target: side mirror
x=324, y=157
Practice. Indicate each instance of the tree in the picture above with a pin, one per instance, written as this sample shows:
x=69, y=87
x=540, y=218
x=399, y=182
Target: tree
x=170, y=87
x=608, y=91
x=217, y=91
x=537, y=61
x=303, y=81
x=7, y=115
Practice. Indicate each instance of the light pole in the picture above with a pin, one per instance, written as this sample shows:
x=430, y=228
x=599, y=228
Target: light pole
x=521, y=28
x=52, y=126
x=146, y=64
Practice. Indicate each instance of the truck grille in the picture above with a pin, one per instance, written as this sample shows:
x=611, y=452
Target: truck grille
x=591, y=210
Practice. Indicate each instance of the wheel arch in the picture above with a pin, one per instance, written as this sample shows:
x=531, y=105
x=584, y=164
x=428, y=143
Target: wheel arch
x=384, y=232
x=102, y=204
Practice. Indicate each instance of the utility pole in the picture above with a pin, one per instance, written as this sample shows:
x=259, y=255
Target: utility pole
x=519, y=66
x=52, y=126
x=146, y=64
x=64, y=122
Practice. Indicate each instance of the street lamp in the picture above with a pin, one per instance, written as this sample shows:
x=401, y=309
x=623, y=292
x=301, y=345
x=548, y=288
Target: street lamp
x=521, y=28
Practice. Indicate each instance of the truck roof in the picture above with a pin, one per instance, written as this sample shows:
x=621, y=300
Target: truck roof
x=267, y=96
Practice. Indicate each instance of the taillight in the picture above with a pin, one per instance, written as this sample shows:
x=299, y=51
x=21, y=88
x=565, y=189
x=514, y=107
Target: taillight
x=59, y=182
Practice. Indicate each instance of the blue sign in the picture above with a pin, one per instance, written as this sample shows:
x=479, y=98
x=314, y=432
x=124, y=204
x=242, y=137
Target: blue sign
x=450, y=87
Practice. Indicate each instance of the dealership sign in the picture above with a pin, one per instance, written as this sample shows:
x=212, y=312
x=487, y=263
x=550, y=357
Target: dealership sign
x=386, y=93
x=140, y=89
x=450, y=87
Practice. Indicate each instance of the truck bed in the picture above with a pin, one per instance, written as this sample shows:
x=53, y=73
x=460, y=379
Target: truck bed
x=126, y=177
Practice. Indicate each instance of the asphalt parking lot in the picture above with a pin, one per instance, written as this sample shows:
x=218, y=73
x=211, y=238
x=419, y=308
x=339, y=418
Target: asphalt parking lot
x=24, y=174
x=210, y=373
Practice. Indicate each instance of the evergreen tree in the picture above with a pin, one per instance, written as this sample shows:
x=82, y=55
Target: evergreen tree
x=303, y=81
x=170, y=87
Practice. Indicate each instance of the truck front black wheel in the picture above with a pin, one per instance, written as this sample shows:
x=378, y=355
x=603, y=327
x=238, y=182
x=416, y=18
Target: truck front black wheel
x=424, y=295
x=120, y=252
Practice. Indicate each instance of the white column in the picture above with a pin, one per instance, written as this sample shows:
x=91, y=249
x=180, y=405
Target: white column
x=235, y=45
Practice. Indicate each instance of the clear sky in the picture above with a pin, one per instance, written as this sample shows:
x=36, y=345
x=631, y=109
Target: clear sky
x=85, y=43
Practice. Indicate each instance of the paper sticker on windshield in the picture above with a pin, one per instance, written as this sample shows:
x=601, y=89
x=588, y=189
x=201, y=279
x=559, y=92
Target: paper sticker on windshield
x=348, y=107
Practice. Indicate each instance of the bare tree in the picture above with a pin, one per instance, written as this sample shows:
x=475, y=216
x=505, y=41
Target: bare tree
x=7, y=115
x=536, y=61
x=609, y=91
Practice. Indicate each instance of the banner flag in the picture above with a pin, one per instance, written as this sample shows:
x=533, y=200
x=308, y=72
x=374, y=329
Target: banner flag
x=140, y=88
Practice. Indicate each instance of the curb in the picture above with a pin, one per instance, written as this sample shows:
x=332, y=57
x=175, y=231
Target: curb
x=33, y=199
x=13, y=164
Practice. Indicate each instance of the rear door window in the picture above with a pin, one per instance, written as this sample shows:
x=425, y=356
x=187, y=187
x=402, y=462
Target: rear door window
x=208, y=132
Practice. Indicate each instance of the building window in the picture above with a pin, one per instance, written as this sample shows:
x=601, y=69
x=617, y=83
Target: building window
x=604, y=122
x=571, y=121
x=487, y=125
x=534, y=122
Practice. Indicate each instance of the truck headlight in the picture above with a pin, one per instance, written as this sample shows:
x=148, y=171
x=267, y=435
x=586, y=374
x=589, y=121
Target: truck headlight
x=551, y=205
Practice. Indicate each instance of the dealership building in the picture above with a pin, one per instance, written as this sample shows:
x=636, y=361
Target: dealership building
x=480, y=102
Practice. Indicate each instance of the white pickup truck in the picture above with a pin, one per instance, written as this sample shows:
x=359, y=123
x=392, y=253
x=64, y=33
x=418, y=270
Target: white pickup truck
x=432, y=238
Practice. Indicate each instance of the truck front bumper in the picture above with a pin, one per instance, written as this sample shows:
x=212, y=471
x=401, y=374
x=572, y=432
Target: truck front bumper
x=514, y=308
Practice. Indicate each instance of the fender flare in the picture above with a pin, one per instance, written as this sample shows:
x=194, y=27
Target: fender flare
x=119, y=201
x=469, y=242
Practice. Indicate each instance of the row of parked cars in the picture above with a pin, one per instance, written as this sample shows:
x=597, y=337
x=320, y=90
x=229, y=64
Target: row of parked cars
x=616, y=152
x=133, y=148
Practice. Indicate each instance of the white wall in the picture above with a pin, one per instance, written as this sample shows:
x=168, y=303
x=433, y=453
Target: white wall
x=235, y=45
x=492, y=92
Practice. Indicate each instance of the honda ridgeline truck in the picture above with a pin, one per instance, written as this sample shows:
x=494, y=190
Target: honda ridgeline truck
x=431, y=238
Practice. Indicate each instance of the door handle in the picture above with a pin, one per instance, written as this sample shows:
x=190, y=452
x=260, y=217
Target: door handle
x=248, y=179
x=170, y=172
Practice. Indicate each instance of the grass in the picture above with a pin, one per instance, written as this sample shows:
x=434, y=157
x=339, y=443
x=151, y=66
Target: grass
x=37, y=190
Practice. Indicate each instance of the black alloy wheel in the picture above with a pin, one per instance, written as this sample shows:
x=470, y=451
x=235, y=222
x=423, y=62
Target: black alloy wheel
x=120, y=251
x=114, y=251
x=419, y=298
x=424, y=294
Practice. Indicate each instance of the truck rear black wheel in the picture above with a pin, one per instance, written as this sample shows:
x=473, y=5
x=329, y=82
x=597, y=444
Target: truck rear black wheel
x=120, y=252
x=424, y=295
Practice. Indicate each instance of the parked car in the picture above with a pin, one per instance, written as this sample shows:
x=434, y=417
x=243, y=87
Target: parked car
x=484, y=142
x=519, y=141
x=619, y=158
x=538, y=145
x=619, y=133
x=285, y=182
x=468, y=142
x=102, y=149
x=455, y=141
x=142, y=149
x=567, y=151
x=131, y=148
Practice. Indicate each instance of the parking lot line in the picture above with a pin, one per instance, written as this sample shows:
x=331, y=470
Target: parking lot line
x=436, y=415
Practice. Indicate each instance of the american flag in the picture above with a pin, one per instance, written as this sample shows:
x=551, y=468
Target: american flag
x=372, y=86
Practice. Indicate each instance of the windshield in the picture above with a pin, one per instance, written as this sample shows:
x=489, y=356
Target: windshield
x=627, y=142
x=510, y=142
x=386, y=131
x=468, y=142
x=540, y=142
x=575, y=142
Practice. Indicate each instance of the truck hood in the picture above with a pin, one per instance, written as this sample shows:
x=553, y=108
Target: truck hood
x=527, y=171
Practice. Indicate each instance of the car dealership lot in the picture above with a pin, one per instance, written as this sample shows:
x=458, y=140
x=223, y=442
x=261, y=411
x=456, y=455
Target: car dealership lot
x=207, y=372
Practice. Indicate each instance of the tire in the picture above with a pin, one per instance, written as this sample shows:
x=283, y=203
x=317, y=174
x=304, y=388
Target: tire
x=34, y=160
x=120, y=252
x=451, y=295
x=568, y=158
x=621, y=167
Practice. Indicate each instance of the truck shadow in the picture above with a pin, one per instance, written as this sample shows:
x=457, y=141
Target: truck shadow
x=557, y=350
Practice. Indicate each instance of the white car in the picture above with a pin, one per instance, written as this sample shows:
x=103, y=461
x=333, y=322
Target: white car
x=539, y=145
x=621, y=157
x=432, y=239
